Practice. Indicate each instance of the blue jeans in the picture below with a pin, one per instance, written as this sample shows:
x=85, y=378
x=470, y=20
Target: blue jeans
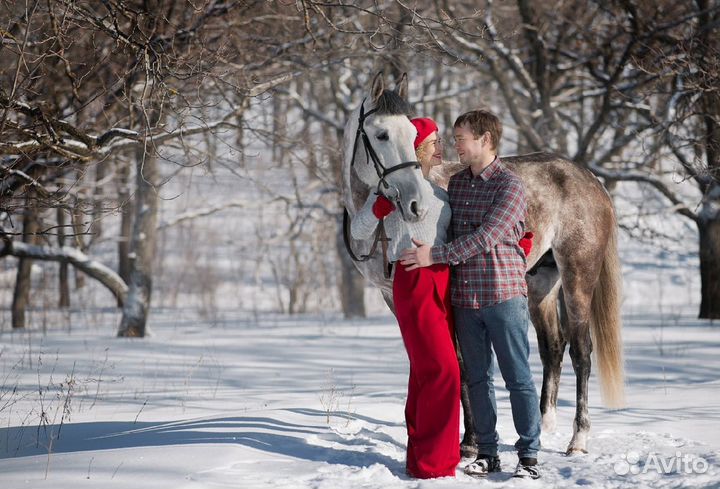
x=504, y=328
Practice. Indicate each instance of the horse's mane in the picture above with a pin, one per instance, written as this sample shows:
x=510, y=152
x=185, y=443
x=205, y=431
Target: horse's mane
x=390, y=103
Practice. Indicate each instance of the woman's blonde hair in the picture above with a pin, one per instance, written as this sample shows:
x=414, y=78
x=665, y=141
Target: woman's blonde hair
x=423, y=151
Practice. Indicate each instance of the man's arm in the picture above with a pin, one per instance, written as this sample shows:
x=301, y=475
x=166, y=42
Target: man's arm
x=507, y=209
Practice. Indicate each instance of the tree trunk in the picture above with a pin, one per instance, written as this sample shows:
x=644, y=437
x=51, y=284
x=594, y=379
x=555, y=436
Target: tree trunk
x=77, y=220
x=142, y=246
x=126, y=222
x=709, y=229
x=352, y=283
x=709, y=218
x=63, y=285
x=21, y=296
x=98, y=200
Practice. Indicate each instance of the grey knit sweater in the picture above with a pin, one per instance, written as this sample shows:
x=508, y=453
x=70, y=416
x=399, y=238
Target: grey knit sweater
x=432, y=229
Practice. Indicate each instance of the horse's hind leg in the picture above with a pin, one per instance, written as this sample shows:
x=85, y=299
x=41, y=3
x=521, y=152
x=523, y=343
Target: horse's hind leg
x=578, y=283
x=543, y=291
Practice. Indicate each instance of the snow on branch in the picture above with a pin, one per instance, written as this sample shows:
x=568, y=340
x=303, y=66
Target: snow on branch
x=679, y=206
x=73, y=143
x=65, y=254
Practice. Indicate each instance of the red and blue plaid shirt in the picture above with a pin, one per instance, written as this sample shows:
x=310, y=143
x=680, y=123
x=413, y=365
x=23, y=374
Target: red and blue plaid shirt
x=488, y=220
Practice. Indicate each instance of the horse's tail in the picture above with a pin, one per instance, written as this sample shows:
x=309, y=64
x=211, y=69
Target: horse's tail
x=606, y=325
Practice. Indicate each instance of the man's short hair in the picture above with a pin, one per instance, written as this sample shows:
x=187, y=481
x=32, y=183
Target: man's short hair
x=481, y=121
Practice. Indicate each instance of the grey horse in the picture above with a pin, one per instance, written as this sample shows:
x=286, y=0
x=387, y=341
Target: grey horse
x=574, y=277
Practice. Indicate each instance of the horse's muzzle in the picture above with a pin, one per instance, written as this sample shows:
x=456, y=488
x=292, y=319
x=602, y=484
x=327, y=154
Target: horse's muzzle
x=412, y=212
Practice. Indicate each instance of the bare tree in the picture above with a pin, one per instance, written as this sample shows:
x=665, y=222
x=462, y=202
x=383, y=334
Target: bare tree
x=599, y=82
x=682, y=51
x=134, y=92
x=86, y=84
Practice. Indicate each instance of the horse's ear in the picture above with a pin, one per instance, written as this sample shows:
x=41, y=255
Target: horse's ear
x=378, y=86
x=401, y=88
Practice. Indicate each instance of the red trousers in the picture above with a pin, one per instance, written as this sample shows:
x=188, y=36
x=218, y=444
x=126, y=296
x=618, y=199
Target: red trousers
x=432, y=411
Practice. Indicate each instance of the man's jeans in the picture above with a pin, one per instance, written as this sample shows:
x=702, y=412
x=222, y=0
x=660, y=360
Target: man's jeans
x=503, y=326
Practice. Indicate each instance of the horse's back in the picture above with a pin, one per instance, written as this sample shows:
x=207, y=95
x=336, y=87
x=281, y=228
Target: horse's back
x=549, y=168
x=569, y=210
x=557, y=186
x=554, y=173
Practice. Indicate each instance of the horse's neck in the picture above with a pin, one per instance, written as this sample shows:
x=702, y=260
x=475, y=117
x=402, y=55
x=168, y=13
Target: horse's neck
x=440, y=175
x=359, y=191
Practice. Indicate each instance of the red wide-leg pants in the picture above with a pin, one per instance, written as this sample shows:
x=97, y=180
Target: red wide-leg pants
x=432, y=411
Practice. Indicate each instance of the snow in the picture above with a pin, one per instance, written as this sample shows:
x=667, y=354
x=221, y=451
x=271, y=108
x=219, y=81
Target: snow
x=225, y=393
x=315, y=401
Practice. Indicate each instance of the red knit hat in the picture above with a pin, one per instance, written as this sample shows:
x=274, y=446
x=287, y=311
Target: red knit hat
x=425, y=126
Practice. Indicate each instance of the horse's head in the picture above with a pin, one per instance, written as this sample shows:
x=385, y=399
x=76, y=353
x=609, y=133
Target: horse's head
x=379, y=148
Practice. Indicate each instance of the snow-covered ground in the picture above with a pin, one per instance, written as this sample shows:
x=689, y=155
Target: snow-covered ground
x=315, y=401
x=225, y=393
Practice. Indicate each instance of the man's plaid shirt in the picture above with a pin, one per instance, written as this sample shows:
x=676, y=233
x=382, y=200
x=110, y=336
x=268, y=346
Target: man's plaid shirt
x=488, y=220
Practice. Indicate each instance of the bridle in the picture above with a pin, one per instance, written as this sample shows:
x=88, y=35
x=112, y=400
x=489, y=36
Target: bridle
x=383, y=188
x=371, y=155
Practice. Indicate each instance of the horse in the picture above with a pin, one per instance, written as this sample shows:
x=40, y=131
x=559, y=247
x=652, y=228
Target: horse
x=574, y=276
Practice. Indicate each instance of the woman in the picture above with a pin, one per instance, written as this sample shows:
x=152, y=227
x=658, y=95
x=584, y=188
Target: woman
x=423, y=310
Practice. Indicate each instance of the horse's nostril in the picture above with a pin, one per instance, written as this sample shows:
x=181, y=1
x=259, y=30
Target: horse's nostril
x=414, y=208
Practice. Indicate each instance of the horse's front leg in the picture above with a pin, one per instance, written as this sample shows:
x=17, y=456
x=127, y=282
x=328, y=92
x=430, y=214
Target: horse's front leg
x=388, y=297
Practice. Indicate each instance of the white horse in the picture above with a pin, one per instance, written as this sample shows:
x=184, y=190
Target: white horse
x=379, y=157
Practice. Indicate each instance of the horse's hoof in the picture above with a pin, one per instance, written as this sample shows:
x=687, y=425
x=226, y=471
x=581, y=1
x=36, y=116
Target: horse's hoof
x=468, y=451
x=575, y=451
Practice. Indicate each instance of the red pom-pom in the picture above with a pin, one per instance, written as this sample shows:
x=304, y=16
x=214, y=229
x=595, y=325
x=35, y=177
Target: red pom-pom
x=382, y=207
x=526, y=242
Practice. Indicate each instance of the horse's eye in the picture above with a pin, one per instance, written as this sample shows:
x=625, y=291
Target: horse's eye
x=383, y=136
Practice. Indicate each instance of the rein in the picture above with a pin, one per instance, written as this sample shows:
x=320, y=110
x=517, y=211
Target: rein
x=382, y=172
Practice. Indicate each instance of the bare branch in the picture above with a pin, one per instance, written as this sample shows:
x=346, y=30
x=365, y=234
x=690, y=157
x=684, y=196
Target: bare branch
x=679, y=206
x=66, y=254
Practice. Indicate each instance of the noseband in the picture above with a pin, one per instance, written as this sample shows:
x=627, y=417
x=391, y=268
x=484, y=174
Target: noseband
x=371, y=155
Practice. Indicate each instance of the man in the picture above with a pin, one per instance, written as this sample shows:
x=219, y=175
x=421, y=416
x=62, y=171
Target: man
x=489, y=292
